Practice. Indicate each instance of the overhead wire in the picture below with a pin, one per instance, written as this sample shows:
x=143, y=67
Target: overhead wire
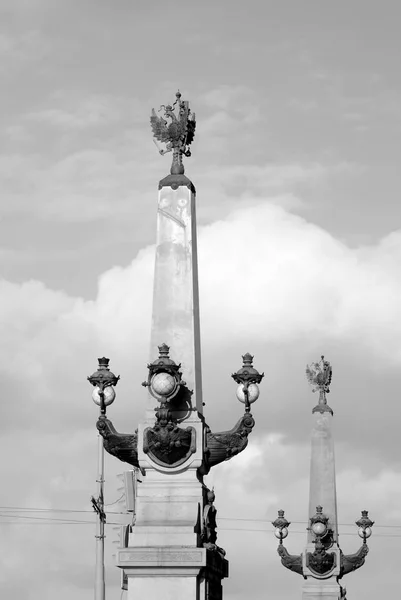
x=68, y=510
x=14, y=519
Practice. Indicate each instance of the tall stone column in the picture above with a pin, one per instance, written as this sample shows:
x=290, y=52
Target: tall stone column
x=322, y=568
x=171, y=549
x=175, y=316
x=322, y=564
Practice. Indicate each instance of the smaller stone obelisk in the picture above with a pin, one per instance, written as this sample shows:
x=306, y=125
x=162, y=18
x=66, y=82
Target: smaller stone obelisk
x=322, y=563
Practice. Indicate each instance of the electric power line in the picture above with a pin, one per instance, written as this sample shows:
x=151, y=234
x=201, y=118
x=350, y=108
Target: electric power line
x=67, y=510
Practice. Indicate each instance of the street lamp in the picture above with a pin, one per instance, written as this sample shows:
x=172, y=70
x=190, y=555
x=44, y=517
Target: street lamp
x=319, y=525
x=247, y=378
x=365, y=526
x=281, y=526
x=103, y=395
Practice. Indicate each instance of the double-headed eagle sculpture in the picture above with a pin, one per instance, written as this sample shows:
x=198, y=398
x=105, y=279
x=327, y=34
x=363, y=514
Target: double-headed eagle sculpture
x=319, y=376
x=177, y=134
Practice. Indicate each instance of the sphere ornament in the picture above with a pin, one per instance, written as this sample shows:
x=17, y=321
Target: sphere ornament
x=281, y=534
x=163, y=384
x=365, y=533
x=253, y=393
x=319, y=528
x=109, y=395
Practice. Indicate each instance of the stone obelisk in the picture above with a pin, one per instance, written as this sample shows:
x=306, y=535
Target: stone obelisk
x=322, y=563
x=322, y=493
x=171, y=550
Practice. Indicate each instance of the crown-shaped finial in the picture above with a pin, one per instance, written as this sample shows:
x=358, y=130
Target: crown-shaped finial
x=103, y=362
x=164, y=350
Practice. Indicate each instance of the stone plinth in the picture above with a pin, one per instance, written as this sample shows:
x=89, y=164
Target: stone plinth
x=173, y=572
x=315, y=589
x=175, y=320
x=168, y=510
x=322, y=471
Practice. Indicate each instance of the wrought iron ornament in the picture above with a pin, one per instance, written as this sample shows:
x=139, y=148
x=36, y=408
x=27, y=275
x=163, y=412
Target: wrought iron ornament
x=166, y=443
x=321, y=562
x=319, y=376
x=177, y=132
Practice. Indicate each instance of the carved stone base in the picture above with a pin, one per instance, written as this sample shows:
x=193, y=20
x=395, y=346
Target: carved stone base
x=173, y=573
x=327, y=589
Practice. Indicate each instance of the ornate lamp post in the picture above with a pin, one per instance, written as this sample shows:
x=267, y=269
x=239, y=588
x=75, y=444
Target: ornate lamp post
x=322, y=564
x=103, y=395
x=172, y=547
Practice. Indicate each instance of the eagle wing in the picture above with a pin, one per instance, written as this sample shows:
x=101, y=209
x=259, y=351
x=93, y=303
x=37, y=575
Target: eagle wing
x=310, y=375
x=191, y=124
x=159, y=127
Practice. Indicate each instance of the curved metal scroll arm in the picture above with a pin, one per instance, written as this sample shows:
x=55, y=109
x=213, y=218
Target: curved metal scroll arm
x=293, y=562
x=123, y=446
x=352, y=562
x=223, y=445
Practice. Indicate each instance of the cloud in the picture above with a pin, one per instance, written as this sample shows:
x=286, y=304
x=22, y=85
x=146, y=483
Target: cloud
x=287, y=284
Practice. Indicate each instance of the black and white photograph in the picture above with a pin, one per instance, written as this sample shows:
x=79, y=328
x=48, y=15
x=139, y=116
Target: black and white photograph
x=200, y=299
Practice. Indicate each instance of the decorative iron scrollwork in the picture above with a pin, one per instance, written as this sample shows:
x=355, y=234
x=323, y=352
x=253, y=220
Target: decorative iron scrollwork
x=293, y=562
x=123, y=446
x=320, y=561
x=166, y=443
x=223, y=445
x=352, y=562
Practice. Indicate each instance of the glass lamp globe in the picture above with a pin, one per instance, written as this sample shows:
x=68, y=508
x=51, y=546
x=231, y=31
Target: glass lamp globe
x=319, y=528
x=253, y=393
x=364, y=533
x=281, y=533
x=109, y=395
x=163, y=384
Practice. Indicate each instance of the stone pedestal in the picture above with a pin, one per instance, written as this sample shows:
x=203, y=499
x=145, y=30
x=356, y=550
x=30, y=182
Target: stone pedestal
x=315, y=589
x=168, y=510
x=171, y=572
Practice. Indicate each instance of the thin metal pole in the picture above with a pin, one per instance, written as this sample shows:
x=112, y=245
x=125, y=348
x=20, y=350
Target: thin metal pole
x=99, y=573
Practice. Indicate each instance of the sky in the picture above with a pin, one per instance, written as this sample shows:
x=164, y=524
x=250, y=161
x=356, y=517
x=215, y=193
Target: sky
x=295, y=162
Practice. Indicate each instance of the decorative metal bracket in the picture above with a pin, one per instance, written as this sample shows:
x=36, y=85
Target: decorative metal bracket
x=223, y=445
x=352, y=562
x=293, y=562
x=123, y=446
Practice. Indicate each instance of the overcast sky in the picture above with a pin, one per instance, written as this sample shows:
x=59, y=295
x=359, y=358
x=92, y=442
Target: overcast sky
x=296, y=164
